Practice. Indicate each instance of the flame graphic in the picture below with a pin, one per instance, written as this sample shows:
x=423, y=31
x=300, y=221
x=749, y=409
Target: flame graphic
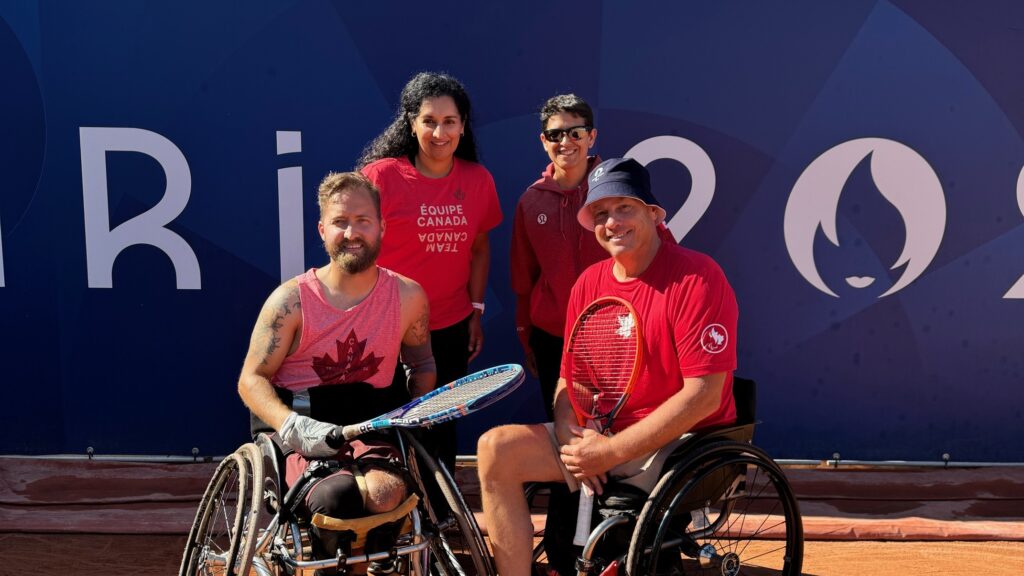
x=903, y=178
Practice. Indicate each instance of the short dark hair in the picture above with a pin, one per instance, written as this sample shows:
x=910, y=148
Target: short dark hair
x=568, y=103
x=338, y=182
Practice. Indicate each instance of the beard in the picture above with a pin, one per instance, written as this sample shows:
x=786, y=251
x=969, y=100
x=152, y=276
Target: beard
x=355, y=263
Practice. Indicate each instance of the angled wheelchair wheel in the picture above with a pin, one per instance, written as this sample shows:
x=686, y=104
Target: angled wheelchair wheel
x=214, y=538
x=255, y=511
x=457, y=548
x=727, y=509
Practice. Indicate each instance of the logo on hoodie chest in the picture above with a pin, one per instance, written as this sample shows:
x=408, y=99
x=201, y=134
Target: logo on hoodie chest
x=542, y=218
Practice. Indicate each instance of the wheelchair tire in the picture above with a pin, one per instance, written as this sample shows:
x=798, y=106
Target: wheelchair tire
x=747, y=517
x=213, y=539
x=255, y=514
x=458, y=548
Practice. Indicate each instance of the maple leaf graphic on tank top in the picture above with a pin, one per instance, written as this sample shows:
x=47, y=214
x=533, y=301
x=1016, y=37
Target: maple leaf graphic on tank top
x=350, y=365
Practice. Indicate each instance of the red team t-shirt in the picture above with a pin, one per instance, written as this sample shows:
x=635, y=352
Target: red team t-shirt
x=688, y=313
x=431, y=224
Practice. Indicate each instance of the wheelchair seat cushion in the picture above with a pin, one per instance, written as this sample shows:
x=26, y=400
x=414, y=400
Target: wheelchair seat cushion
x=361, y=527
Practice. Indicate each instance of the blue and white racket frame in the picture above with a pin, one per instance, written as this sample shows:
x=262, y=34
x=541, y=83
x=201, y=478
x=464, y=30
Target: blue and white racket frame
x=453, y=400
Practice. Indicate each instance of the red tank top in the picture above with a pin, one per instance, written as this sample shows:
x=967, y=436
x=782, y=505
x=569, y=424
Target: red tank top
x=360, y=344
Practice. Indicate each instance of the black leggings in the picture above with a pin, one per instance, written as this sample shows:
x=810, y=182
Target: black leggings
x=547, y=351
x=451, y=356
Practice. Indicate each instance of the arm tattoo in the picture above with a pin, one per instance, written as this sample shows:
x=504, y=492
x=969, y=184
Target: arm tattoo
x=274, y=344
x=420, y=329
x=266, y=338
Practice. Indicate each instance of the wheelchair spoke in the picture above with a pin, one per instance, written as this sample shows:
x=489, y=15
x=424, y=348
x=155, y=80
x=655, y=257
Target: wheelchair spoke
x=459, y=547
x=745, y=519
x=747, y=559
x=769, y=514
x=746, y=508
x=744, y=515
x=213, y=539
x=227, y=522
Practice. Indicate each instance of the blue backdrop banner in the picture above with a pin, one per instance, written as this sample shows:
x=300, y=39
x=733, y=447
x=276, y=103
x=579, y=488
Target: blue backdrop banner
x=854, y=167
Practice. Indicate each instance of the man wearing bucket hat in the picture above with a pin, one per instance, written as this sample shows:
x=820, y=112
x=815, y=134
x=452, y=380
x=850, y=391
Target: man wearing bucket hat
x=688, y=313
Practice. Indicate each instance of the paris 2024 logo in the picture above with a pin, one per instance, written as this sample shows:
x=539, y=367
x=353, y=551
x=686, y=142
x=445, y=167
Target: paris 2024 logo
x=903, y=178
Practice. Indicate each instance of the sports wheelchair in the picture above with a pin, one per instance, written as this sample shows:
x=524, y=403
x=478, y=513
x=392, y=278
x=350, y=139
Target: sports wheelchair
x=247, y=525
x=721, y=507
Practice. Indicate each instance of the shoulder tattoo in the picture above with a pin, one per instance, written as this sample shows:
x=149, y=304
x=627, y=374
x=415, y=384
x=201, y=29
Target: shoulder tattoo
x=266, y=337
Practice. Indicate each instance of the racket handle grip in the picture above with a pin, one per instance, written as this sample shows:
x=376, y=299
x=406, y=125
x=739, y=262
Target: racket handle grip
x=583, y=517
x=335, y=438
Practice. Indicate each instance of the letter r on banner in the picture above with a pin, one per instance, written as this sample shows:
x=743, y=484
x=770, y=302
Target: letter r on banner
x=102, y=245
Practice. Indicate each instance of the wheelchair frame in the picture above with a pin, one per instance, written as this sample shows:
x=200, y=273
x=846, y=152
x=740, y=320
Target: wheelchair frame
x=716, y=469
x=244, y=524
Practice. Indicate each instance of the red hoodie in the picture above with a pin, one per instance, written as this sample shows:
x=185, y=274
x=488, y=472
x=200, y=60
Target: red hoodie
x=549, y=251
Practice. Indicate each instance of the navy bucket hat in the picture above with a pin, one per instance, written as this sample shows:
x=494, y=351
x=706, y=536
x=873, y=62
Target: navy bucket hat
x=618, y=178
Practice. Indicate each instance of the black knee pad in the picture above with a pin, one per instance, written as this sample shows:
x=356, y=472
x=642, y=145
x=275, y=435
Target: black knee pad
x=337, y=496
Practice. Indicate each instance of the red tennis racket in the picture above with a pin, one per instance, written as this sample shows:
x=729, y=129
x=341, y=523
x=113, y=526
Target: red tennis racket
x=604, y=355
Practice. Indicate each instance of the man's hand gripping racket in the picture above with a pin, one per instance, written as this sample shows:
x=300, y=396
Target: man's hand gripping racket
x=455, y=400
x=603, y=361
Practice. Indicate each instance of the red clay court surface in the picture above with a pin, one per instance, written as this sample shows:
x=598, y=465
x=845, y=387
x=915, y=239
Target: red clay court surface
x=100, y=517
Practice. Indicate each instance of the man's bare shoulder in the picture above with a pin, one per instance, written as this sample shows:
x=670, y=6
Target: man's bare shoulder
x=285, y=299
x=282, y=309
x=415, y=311
x=409, y=290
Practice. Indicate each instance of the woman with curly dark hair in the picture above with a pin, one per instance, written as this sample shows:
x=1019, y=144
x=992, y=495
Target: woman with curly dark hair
x=438, y=205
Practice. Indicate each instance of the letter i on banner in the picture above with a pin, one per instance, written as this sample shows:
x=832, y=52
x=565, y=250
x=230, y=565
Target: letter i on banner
x=289, y=207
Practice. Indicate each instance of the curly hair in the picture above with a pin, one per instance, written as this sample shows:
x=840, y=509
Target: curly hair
x=397, y=139
x=568, y=103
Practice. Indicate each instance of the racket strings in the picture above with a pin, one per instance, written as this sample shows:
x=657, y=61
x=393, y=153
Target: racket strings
x=461, y=394
x=604, y=353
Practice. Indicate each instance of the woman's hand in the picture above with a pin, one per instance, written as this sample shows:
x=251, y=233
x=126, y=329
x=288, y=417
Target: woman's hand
x=476, y=335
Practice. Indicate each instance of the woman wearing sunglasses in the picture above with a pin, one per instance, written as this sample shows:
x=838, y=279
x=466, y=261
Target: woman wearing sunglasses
x=438, y=205
x=549, y=247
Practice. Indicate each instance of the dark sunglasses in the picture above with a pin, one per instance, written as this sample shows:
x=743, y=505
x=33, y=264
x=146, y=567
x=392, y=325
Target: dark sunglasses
x=576, y=133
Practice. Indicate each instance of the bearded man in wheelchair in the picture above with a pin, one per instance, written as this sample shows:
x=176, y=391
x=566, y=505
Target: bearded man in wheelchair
x=336, y=333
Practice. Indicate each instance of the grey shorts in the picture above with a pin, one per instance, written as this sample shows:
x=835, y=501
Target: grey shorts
x=642, y=472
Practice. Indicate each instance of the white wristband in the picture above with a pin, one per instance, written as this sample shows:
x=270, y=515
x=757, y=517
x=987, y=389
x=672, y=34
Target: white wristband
x=479, y=306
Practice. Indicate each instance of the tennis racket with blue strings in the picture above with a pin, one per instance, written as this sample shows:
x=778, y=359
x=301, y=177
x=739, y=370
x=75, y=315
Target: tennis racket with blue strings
x=455, y=400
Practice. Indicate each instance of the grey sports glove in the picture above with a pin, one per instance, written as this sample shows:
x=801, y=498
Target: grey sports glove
x=307, y=436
